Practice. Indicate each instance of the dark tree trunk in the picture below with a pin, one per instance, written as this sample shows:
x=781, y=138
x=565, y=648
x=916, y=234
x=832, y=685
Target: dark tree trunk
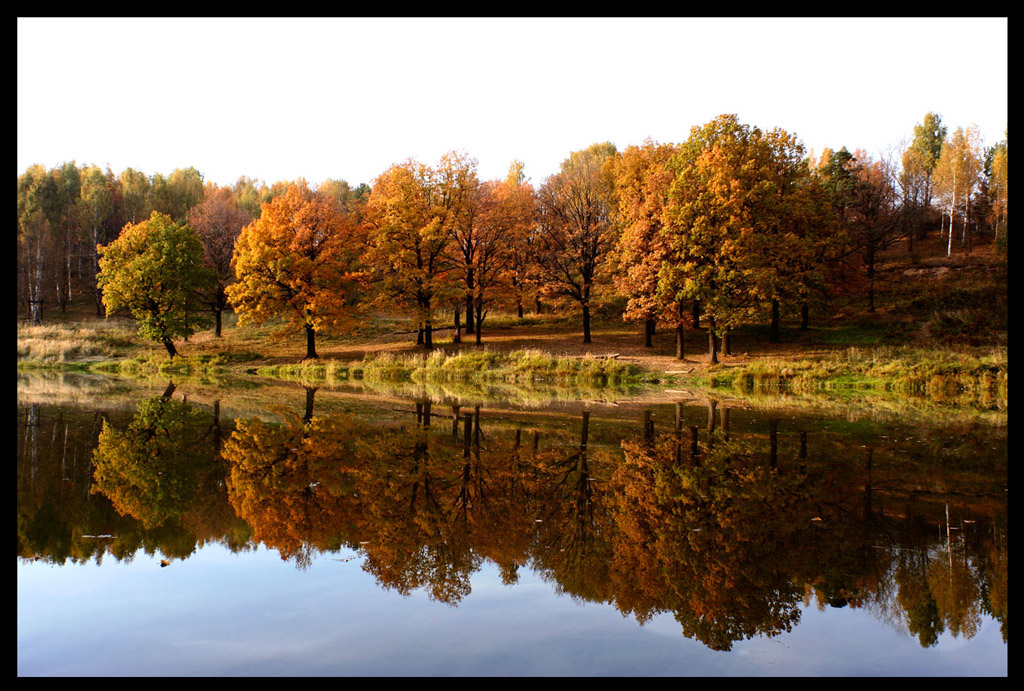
x=648, y=333
x=679, y=333
x=428, y=336
x=479, y=317
x=586, y=322
x=871, y=277
x=310, y=392
x=171, y=350
x=696, y=314
x=218, y=434
x=805, y=314
x=773, y=330
x=310, y=343
x=727, y=343
x=216, y=321
x=536, y=304
x=712, y=342
x=519, y=308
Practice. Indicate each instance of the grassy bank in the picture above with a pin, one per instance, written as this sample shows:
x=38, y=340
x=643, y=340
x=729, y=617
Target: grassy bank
x=480, y=366
x=978, y=377
x=938, y=334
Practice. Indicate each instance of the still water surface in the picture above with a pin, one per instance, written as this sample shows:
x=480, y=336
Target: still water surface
x=280, y=530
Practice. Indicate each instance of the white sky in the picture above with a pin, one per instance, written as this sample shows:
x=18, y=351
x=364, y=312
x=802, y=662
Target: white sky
x=344, y=98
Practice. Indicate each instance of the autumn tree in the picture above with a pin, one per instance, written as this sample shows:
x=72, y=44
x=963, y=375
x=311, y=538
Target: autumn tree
x=996, y=175
x=503, y=222
x=865, y=196
x=704, y=217
x=737, y=223
x=219, y=220
x=642, y=178
x=575, y=226
x=957, y=175
x=457, y=195
x=155, y=270
x=519, y=209
x=297, y=262
x=407, y=243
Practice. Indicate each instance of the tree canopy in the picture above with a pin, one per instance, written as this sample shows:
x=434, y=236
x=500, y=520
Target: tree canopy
x=155, y=270
x=297, y=263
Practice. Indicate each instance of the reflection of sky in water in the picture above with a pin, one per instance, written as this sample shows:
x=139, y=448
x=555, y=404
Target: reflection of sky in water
x=218, y=613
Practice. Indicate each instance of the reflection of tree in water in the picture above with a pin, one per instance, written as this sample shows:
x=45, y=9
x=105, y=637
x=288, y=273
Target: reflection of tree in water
x=412, y=540
x=731, y=532
x=68, y=512
x=152, y=470
x=569, y=547
x=729, y=529
x=708, y=535
x=293, y=482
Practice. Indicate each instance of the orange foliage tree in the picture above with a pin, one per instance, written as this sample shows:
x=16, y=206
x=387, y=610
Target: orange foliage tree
x=642, y=180
x=297, y=261
x=407, y=243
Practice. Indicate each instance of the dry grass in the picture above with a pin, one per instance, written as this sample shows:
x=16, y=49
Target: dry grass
x=64, y=343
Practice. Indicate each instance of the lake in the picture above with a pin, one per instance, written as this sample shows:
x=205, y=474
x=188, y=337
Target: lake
x=240, y=528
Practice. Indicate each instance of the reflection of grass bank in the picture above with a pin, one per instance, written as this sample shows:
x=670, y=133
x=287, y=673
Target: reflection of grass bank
x=940, y=376
x=466, y=392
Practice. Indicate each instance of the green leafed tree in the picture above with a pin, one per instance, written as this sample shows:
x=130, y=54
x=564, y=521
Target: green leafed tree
x=175, y=194
x=929, y=136
x=155, y=271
